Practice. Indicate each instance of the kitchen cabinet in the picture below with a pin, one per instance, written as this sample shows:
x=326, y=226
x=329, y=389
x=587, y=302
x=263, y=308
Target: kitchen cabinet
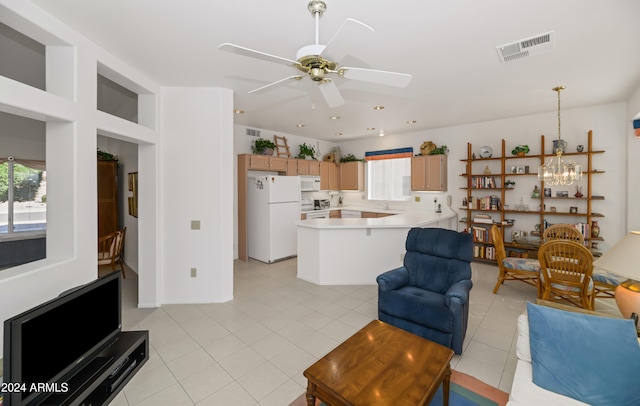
x=429, y=173
x=303, y=216
x=314, y=168
x=292, y=167
x=329, y=179
x=259, y=162
x=303, y=167
x=334, y=214
x=277, y=164
x=374, y=215
x=352, y=175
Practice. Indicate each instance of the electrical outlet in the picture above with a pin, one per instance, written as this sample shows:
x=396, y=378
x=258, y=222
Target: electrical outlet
x=417, y=199
x=195, y=224
x=194, y=272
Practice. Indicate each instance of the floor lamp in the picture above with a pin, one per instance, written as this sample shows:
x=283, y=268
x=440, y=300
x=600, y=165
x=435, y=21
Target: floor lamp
x=624, y=259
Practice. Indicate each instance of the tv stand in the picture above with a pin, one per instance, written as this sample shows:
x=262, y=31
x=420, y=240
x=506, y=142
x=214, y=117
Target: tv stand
x=103, y=378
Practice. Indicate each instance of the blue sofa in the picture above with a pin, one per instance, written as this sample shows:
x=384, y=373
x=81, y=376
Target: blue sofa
x=429, y=295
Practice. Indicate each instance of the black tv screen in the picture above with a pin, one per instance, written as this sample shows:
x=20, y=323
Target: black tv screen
x=46, y=343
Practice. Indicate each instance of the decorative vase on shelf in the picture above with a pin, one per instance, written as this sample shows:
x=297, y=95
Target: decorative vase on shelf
x=595, y=229
x=578, y=191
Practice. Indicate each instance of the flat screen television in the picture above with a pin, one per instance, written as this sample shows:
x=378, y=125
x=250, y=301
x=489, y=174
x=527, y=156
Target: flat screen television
x=51, y=342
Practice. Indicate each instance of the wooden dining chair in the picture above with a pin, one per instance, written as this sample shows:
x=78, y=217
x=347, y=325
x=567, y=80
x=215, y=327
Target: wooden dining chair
x=562, y=232
x=565, y=274
x=511, y=268
x=111, y=248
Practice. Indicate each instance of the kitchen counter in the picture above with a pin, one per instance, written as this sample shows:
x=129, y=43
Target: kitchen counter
x=399, y=218
x=354, y=251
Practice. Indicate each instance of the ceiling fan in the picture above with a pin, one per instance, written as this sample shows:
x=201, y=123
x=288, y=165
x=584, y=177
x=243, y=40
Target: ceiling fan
x=313, y=59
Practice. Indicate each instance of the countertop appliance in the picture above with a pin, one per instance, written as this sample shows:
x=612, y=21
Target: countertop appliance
x=321, y=204
x=306, y=204
x=309, y=183
x=273, y=211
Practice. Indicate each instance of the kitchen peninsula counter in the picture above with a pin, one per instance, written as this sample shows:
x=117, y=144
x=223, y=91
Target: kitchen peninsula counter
x=354, y=251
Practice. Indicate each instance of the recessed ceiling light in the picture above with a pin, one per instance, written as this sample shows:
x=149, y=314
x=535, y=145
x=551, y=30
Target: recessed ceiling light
x=338, y=134
x=335, y=117
x=411, y=122
x=299, y=125
x=370, y=128
x=378, y=108
x=238, y=111
x=381, y=134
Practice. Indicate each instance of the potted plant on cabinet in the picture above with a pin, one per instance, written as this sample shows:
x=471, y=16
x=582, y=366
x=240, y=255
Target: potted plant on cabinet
x=263, y=147
x=520, y=150
x=306, y=151
x=441, y=150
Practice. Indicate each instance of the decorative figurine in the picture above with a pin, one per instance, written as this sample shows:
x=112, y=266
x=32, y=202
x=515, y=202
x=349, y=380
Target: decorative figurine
x=536, y=191
x=487, y=171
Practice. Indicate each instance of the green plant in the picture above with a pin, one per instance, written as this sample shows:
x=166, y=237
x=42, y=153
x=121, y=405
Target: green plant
x=442, y=150
x=349, y=158
x=306, y=151
x=105, y=156
x=520, y=148
x=261, y=144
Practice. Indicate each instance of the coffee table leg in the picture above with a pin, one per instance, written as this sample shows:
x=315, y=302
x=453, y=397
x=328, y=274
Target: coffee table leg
x=445, y=386
x=311, y=398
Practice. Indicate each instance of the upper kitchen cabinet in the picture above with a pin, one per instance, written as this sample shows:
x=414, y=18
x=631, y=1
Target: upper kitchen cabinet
x=429, y=173
x=292, y=167
x=329, y=179
x=352, y=175
x=314, y=168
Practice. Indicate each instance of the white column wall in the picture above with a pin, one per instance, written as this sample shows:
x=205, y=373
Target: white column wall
x=197, y=185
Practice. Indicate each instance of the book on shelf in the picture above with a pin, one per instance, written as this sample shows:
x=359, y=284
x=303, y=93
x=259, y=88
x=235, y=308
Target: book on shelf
x=492, y=202
x=483, y=182
x=482, y=218
x=481, y=234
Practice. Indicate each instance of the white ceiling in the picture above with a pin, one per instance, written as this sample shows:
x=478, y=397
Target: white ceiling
x=448, y=46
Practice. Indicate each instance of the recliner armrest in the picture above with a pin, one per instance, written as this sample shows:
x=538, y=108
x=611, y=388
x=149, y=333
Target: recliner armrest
x=393, y=279
x=460, y=291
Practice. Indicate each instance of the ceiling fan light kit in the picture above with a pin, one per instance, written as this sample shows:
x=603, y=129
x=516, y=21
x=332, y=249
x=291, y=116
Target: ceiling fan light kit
x=313, y=60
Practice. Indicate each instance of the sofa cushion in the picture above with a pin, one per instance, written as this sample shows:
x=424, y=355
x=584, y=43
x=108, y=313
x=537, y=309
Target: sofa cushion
x=523, y=350
x=589, y=358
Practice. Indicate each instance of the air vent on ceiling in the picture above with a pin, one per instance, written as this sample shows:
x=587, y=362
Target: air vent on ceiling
x=525, y=47
x=253, y=133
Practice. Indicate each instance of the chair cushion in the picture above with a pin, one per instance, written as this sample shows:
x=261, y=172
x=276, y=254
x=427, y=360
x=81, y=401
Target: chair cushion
x=419, y=306
x=522, y=264
x=565, y=287
x=589, y=358
x=606, y=277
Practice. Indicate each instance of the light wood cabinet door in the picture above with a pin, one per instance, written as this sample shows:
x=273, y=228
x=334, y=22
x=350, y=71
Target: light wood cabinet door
x=324, y=175
x=334, y=214
x=352, y=176
x=303, y=167
x=314, y=168
x=429, y=173
x=292, y=167
x=259, y=162
x=334, y=177
x=278, y=164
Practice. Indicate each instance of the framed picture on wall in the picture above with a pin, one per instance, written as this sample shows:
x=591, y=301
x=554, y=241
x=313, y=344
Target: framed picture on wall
x=547, y=192
x=520, y=169
x=573, y=210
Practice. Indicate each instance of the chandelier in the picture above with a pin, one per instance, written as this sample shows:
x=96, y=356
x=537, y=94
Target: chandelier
x=557, y=171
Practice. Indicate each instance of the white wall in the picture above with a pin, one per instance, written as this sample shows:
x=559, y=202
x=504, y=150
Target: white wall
x=633, y=164
x=196, y=185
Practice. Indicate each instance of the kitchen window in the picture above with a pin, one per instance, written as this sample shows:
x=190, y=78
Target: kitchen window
x=389, y=179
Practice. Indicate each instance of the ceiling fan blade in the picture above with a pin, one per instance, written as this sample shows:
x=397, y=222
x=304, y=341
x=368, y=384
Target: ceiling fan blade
x=376, y=76
x=350, y=34
x=237, y=49
x=275, y=84
x=331, y=93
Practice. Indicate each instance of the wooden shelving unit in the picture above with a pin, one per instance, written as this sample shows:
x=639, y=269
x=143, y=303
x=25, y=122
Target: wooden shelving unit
x=478, y=190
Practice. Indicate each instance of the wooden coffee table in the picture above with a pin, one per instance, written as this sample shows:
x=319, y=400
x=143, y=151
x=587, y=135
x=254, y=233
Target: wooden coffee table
x=380, y=365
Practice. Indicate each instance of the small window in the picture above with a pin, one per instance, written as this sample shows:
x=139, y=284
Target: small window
x=23, y=198
x=389, y=179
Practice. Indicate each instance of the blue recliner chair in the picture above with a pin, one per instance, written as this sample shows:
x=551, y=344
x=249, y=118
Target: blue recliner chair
x=429, y=295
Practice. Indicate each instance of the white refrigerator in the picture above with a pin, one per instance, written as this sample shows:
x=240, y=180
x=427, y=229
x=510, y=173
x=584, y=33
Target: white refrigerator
x=273, y=211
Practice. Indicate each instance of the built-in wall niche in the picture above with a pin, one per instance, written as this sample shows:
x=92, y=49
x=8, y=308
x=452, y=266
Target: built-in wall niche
x=117, y=100
x=23, y=59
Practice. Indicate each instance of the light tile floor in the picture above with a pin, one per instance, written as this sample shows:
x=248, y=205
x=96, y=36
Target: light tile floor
x=252, y=351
